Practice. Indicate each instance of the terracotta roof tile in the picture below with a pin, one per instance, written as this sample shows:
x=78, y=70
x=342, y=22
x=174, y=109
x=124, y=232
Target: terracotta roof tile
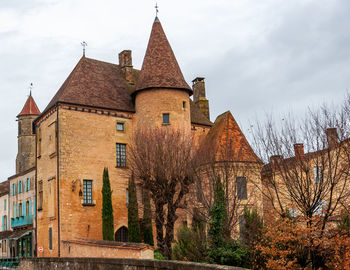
x=160, y=68
x=228, y=141
x=29, y=108
x=95, y=83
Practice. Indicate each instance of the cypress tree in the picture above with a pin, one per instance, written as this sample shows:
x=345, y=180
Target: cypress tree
x=147, y=218
x=217, y=219
x=133, y=214
x=107, y=209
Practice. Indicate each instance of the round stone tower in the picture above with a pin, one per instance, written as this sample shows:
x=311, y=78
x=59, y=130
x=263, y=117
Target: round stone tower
x=26, y=139
x=161, y=93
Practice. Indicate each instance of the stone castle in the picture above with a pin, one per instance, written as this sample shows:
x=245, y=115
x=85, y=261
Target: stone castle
x=87, y=126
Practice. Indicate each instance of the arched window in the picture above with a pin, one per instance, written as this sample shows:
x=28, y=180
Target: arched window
x=121, y=235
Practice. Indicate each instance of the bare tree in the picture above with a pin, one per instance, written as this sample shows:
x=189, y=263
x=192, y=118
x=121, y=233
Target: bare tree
x=162, y=161
x=309, y=162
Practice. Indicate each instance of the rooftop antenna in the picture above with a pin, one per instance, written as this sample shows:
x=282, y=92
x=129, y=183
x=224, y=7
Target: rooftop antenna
x=84, y=44
x=30, y=89
x=156, y=7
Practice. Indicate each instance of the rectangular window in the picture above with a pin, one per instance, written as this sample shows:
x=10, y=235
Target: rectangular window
x=20, y=209
x=87, y=186
x=5, y=223
x=5, y=204
x=318, y=177
x=121, y=155
x=120, y=126
x=241, y=184
x=40, y=195
x=50, y=238
x=293, y=212
x=3, y=245
x=166, y=118
x=39, y=142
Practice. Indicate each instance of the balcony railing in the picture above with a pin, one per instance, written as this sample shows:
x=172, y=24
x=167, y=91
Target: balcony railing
x=21, y=221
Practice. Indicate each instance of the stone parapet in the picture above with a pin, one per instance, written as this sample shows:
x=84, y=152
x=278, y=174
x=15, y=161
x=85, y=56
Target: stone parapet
x=104, y=264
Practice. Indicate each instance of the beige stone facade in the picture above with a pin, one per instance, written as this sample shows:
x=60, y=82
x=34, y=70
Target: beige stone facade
x=88, y=126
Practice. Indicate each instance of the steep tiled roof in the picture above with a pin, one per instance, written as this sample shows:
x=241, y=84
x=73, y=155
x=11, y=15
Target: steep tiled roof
x=197, y=117
x=4, y=188
x=160, y=68
x=228, y=141
x=95, y=83
x=29, y=108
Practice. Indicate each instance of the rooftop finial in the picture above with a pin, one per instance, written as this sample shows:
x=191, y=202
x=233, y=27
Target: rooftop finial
x=30, y=89
x=156, y=7
x=84, y=44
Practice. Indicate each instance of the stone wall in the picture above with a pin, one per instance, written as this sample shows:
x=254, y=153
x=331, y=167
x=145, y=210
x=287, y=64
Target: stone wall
x=106, y=249
x=116, y=264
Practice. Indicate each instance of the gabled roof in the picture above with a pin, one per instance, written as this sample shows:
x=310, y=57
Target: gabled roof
x=95, y=83
x=160, y=68
x=30, y=107
x=228, y=141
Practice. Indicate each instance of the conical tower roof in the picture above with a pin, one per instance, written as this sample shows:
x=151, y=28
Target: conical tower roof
x=29, y=108
x=160, y=68
x=227, y=140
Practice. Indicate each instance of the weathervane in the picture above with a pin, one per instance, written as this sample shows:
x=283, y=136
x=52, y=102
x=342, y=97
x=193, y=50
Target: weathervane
x=156, y=7
x=84, y=44
x=30, y=89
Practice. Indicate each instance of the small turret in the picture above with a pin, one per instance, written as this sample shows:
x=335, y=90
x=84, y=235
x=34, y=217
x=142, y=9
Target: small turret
x=26, y=139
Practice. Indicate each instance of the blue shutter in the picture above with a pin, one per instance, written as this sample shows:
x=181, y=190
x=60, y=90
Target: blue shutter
x=28, y=184
x=34, y=207
x=3, y=223
x=23, y=209
x=18, y=214
x=30, y=208
x=25, y=184
x=18, y=185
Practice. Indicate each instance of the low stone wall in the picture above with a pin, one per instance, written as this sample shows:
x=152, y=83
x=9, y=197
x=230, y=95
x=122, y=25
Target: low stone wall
x=106, y=249
x=115, y=264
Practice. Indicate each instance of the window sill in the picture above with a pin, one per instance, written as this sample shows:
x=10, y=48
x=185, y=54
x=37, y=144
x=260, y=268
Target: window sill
x=88, y=204
x=120, y=167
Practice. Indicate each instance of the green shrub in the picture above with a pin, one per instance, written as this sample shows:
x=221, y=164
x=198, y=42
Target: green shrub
x=190, y=246
x=158, y=255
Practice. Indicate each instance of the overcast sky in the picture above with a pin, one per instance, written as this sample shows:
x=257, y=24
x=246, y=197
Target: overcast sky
x=258, y=56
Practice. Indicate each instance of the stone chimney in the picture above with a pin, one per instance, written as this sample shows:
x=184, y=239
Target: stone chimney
x=299, y=151
x=332, y=137
x=125, y=63
x=275, y=161
x=199, y=98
